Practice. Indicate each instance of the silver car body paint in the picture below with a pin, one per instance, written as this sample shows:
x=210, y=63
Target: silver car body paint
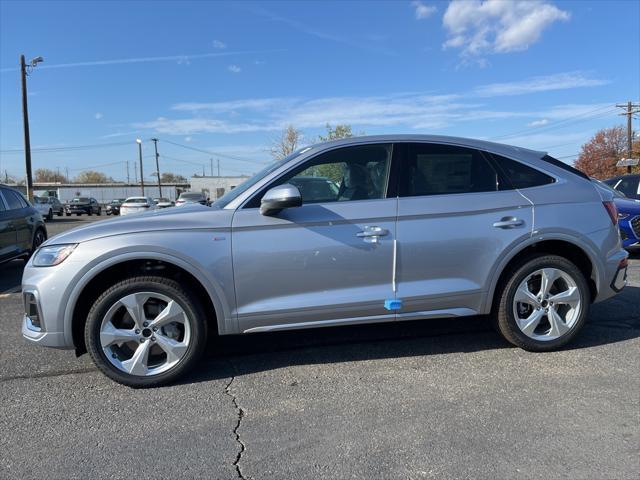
x=316, y=265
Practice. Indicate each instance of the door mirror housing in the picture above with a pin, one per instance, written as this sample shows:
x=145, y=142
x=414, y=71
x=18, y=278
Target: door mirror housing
x=279, y=198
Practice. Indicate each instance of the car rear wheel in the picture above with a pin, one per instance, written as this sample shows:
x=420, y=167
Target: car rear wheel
x=543, y=304
x=145, y=331
x=50, y=215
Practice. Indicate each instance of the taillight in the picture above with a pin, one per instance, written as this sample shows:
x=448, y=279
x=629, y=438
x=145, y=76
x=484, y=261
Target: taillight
x=612, y=211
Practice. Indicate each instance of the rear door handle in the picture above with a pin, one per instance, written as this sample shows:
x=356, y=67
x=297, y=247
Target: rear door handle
x=508, y=222
x=371, y=234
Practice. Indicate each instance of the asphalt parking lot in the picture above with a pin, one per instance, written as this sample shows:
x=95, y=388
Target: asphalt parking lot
x=415, y=400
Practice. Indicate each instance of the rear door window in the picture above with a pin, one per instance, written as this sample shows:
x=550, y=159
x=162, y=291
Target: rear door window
x=13, y=200
x=434, y=169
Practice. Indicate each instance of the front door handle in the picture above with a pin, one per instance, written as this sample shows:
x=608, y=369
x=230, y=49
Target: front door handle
x=508, y=222
x=372, y=234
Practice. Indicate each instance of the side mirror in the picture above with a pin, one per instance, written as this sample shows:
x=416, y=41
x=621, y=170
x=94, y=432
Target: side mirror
x=280, y=197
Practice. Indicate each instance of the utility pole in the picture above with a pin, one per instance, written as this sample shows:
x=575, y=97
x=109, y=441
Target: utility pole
x=218, y=167
x=24, y=71
x=139, y=142
x=631, y=108
x=155, y=145
x=128, y=178
x=135, y=168
x=66, y=169
x=203, y=174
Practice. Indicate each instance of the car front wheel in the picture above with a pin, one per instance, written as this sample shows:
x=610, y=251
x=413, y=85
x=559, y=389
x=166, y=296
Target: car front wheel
x=145, y=331
x=543, y=304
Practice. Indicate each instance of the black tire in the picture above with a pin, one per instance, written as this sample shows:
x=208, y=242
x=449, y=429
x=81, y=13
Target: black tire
x=39, y=237
x=50, y=215
x=60, y=213
x=191, y=306
x=90, y=212
x=504, y=316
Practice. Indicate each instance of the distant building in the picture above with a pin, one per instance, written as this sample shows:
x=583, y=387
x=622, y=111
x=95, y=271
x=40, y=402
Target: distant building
x=105, y=192
x=215, y=187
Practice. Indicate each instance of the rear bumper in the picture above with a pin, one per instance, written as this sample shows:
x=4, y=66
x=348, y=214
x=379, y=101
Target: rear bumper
x=615, y=276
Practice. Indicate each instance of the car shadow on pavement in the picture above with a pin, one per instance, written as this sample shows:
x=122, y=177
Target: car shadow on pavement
x=615, y=320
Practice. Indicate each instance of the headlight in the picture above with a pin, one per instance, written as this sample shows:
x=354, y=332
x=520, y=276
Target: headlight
x=53, y=255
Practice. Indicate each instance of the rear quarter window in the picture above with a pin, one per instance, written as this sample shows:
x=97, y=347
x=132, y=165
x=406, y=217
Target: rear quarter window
x=520, y=175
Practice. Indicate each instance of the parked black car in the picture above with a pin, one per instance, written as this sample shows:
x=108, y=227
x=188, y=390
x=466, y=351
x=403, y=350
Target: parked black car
x=627, y=184
x=22, y=228
x=113, y=208
x=82, y=205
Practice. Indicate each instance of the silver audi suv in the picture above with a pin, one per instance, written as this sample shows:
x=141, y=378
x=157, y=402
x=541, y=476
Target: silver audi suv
x=393, y=228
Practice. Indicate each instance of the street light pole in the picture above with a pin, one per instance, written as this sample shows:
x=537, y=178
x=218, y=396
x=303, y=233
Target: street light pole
x=139, y=142
x=155, y=145
x=25, y=118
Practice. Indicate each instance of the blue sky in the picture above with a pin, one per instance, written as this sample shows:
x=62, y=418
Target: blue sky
x=227, y=78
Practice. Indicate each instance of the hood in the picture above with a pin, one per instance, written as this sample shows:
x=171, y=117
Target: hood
x=186, y=218
x=627, y=205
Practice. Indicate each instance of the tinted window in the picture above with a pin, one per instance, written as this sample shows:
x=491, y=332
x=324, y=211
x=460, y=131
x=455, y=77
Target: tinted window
x=13, y=200
x=564, y=166
x=520, y=175
x=432, y=169
x=344, y=174
x=628, y=186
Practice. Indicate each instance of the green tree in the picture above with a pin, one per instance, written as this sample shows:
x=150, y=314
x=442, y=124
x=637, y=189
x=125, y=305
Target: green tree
x=333, y=171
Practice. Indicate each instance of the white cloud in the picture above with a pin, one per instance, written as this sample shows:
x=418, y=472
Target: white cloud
x=188, y=139
x=558, y=81
x=538, y=123
x=423, y=11
x=218, y=44
x=98, y=115
x=234, y=69
x=497, y=26
x=410, y=110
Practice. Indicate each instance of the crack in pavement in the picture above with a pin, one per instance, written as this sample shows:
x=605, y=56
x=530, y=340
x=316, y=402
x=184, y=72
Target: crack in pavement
x=240, y=413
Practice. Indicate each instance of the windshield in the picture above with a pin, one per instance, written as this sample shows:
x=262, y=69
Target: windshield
x=41, y=199
x=250, y=182
x=80, y=200
x=617, y=193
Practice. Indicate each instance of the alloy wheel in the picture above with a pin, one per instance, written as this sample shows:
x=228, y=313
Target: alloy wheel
x=547, y=304
x=145, y=334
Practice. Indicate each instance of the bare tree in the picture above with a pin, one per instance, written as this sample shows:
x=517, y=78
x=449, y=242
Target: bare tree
x=46, y=175
x=91, y=176
x=286, y=143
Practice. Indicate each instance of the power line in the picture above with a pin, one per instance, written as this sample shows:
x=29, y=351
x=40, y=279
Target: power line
x=590, y=115
x=70, y=148
x=209, y=152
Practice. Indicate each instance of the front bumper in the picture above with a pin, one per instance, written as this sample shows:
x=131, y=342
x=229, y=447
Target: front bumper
x=34, y=328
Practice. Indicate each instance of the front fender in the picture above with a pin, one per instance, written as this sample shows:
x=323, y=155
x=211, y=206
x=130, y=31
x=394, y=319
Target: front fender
x=214, y=287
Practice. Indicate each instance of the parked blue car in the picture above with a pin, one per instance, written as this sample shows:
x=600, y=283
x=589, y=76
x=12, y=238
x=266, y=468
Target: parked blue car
x=628, y=217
